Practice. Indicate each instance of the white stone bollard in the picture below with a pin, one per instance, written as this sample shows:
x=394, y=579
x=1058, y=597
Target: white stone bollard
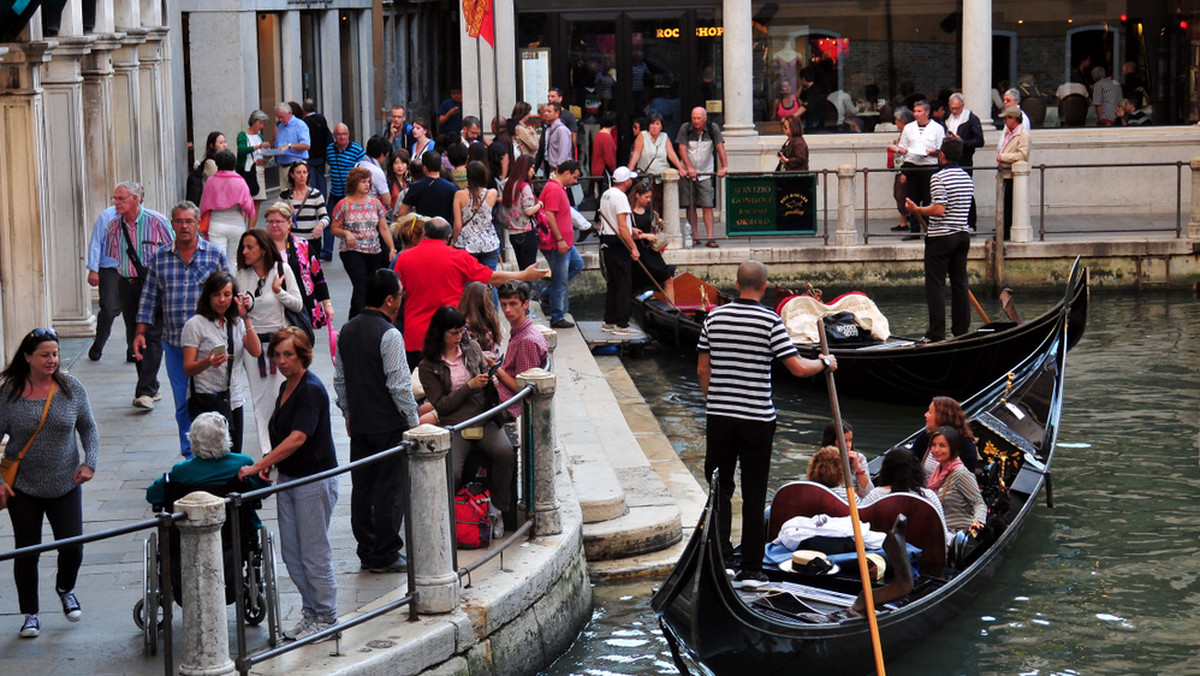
x=431, y=551
x=205, y=629
x=670, y=214
x=847, y=230
x=1022, y=231
x=546, y=508
x=1193, y=231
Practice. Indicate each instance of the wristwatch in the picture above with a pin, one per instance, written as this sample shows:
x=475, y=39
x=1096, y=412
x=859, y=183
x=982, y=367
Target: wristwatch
x=825, y=361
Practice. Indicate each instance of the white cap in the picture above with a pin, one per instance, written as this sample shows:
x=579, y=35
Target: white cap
x=623, y=174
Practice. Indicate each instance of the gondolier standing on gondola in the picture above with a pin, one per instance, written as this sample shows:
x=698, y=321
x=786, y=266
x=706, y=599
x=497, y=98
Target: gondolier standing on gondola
x=947, y=242
x=738, y=344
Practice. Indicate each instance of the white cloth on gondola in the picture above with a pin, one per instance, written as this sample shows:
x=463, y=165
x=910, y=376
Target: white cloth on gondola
x=800, y=528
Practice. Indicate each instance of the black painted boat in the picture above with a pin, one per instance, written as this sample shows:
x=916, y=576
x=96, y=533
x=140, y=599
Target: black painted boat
x=901, y=370
x=802, y=624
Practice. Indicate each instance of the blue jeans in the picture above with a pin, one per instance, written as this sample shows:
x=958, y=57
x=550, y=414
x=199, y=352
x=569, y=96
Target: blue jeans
x=492, y=260
x=563, y=268
x=173, y=358
x=304, y=515
x=318, y=179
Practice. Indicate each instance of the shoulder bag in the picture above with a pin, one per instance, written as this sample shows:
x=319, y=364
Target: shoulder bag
x=219, y=402
x=131, y=251
x=301, y=318
x=8, y=466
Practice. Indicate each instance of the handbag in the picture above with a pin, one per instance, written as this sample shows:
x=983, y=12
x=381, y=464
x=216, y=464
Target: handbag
x=301, y=319
x=217, y=402
x=205, y=222
x=472, y=527
x=546, y=239
x=131, y=251
x=9, y=466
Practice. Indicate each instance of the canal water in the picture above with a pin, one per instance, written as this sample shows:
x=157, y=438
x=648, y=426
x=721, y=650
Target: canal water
x=1107, y=582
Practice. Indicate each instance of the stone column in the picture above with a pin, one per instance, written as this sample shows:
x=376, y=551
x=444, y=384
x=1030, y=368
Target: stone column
x=977, y=58
x=67, y=223
x=126, y=106
x=24, y=192
x=847, y=232
x=546, y=508
x=1021, y=229
x=1193, y=231
x=738, y=76
x=153, y=127
x=101, y=175
x=205, y=639
x=431, y=552
x=670, y=214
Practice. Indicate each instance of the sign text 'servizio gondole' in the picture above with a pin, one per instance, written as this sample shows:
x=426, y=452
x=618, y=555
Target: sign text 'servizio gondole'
x=769, y=204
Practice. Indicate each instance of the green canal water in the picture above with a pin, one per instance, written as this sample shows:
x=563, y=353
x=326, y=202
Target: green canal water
x=1107, y=582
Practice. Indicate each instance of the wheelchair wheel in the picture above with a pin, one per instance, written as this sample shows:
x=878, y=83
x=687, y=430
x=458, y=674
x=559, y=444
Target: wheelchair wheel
x=270, y=581
x=147, y=612
x=255, y=608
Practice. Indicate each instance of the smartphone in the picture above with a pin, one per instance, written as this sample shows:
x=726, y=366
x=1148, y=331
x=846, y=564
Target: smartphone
x=219, y=350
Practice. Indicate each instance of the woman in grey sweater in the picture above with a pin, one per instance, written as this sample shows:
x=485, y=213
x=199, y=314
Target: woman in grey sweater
x=40, y=402
x=954, y=484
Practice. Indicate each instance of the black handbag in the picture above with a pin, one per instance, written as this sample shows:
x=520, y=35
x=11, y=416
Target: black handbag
x=218, y=402
x=302, y=318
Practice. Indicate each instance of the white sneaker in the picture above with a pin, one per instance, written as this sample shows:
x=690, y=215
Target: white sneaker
x=145, y=402
x=622, y=331
x=314, y=626
x=300, y=628
x=607, y=327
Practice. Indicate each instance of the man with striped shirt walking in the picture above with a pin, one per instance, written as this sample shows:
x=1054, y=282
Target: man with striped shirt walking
x=738, y=344
x=947, y=242
x=342, y=155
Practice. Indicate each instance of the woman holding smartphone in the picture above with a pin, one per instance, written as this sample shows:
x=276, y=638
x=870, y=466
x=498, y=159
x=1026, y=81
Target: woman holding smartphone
x=222, y=333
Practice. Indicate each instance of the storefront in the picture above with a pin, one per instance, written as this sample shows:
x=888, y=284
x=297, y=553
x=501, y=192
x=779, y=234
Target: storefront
x=633, y=61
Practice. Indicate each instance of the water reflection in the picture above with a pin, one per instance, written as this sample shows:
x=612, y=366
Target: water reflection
x=1108, y=582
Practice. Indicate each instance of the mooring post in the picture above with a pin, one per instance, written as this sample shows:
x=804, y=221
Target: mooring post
x=205, y=627
x=431, y=552
x=546, y=508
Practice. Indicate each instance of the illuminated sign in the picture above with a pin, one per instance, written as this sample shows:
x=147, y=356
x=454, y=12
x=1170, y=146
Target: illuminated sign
x=701, y=32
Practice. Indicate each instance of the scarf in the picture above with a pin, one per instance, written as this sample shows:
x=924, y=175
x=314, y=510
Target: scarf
x=942, y=471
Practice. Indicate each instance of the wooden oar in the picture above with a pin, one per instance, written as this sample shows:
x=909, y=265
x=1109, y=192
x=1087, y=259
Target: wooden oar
x=852, y=500
x=978, y=308
x=1009, y=307
x=657, y=285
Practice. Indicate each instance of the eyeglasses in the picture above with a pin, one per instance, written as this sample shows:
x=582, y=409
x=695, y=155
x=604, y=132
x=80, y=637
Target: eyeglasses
x=43, y=334
x=184, y=221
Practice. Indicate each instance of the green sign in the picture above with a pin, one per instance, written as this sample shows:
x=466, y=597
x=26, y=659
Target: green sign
x=771, y=204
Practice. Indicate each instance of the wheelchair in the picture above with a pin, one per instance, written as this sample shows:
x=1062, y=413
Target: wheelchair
x=258, y=565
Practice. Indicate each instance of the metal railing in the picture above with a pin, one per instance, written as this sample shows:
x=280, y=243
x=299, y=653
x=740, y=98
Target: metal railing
x=245, y=659
x=162, y=523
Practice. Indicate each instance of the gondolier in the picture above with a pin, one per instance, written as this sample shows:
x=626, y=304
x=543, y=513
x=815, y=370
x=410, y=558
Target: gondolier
x=738, y=344
x=947, y=242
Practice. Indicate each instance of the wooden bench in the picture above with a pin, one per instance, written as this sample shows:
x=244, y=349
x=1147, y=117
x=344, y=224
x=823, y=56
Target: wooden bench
x=807, y=498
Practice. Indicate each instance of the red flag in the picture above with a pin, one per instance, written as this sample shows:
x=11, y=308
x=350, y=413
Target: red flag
x=478, y=17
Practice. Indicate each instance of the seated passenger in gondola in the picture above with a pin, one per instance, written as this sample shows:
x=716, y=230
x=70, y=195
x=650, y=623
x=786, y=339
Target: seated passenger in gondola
x=825, y=467
x=858, y=463
x=945, y=412
x=901, y=472
x=954, y=485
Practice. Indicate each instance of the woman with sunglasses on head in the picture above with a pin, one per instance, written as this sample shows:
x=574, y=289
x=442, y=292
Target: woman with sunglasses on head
x=271, y=287
x=310, y=216
x=42, y=410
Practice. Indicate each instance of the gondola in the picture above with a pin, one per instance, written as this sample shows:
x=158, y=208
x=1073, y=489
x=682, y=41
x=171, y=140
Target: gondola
x=803, y=624
x=901, y=370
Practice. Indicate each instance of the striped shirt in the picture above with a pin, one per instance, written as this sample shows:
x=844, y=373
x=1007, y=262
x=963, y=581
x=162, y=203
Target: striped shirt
x=175, y=285
x=340, y=163
x=952, y=187
x=307, y=212
x=151, y=232
x=742, y=339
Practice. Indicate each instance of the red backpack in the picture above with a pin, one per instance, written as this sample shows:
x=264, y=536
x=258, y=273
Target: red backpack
x=472, y=528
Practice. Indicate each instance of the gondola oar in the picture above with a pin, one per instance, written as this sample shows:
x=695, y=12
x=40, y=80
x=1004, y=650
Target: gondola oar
x=657, y=285
x=851, y=499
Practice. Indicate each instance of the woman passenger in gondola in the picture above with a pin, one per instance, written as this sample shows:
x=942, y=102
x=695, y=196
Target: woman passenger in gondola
x=945, y=412
x=901, y=472
x=858, y=462
x=954, y=485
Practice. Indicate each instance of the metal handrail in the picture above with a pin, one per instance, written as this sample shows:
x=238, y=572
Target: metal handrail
x=246, y=660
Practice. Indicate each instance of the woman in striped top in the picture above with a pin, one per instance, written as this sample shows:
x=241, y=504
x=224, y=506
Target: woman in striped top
x=310, y=217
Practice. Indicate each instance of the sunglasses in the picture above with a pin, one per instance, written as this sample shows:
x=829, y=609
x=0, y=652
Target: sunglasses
x=43, y=334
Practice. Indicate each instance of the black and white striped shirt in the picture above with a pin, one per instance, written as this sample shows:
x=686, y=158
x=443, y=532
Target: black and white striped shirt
x=952, y=187
x=742, y=340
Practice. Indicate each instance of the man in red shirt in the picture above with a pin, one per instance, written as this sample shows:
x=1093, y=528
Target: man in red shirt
x=433, y=274
x=565, y=261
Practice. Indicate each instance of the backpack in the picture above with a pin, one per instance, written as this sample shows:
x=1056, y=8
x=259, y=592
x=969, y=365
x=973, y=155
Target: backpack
x=472, y=527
